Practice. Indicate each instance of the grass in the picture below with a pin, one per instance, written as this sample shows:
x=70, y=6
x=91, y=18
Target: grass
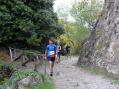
x=45, y=85
x=103, y=72
x=47, y=82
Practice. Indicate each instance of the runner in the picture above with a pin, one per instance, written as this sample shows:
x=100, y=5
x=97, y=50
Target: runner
x=68, y=50
x=51, y=53
x=58, y=52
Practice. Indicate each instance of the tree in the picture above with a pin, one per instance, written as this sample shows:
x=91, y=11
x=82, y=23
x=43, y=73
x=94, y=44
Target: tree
x=86, y=12
x=27, y=21
x=73, y=35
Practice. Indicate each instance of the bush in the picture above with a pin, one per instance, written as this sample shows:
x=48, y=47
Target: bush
x=27, y=21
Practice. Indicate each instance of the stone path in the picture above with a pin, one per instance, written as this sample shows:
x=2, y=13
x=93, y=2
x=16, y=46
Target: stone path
x=69, y=76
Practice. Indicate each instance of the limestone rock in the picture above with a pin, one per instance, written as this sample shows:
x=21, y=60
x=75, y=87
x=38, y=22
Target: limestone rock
x=102, y=47
x=9, y=88
x=28, y=82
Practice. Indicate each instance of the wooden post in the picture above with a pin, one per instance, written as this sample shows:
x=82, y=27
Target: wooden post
x=44, y=59
x=15, y=54
x=11, y=55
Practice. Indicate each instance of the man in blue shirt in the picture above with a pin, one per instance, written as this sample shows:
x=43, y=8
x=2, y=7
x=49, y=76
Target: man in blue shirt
x=51, y=53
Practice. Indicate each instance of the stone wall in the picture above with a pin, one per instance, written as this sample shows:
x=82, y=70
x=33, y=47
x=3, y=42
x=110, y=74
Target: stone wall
x=102, y=47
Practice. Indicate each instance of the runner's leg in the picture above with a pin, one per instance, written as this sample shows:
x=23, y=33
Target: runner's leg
x=51, y=66
x=59, y=56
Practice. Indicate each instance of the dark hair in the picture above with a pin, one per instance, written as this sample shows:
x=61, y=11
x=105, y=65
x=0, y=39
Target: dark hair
x=52, y=39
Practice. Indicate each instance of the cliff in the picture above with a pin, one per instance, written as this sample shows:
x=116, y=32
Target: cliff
x=102, y=47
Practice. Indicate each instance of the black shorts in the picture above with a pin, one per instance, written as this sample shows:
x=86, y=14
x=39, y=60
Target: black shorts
x=51, y=59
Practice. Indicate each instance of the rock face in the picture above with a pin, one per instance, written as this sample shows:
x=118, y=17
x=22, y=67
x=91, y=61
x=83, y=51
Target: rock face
x=102, y=47
x=28, y=82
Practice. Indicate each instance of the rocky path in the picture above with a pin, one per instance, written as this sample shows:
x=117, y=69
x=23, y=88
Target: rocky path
x=68, y=76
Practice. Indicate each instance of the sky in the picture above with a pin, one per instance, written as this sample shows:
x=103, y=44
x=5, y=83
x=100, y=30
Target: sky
x=64, y=5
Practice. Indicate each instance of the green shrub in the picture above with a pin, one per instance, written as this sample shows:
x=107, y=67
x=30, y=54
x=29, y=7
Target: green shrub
x=5, y=71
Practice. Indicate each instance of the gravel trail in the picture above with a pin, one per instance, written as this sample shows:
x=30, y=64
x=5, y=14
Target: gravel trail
x=68, y=76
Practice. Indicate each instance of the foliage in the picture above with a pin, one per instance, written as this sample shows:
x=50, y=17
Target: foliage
x=5, y=72
x=46, y=83
x=86, y=12
x=66, y=37
x=27, y=21
x=73, y=36
x=21, y=75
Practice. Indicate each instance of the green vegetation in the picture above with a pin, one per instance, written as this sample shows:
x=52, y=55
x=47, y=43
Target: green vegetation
x=23, y=74
x=45, y=81
x=45, y=85
x=85, y=13
x=5, y=72
x=103, y=72
x=73, y=36
x=27, y=22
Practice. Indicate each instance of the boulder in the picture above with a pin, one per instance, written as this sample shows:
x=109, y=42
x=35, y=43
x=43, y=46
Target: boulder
x=28, y=82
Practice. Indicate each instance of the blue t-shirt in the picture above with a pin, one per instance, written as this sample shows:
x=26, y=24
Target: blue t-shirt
x=51, y=49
